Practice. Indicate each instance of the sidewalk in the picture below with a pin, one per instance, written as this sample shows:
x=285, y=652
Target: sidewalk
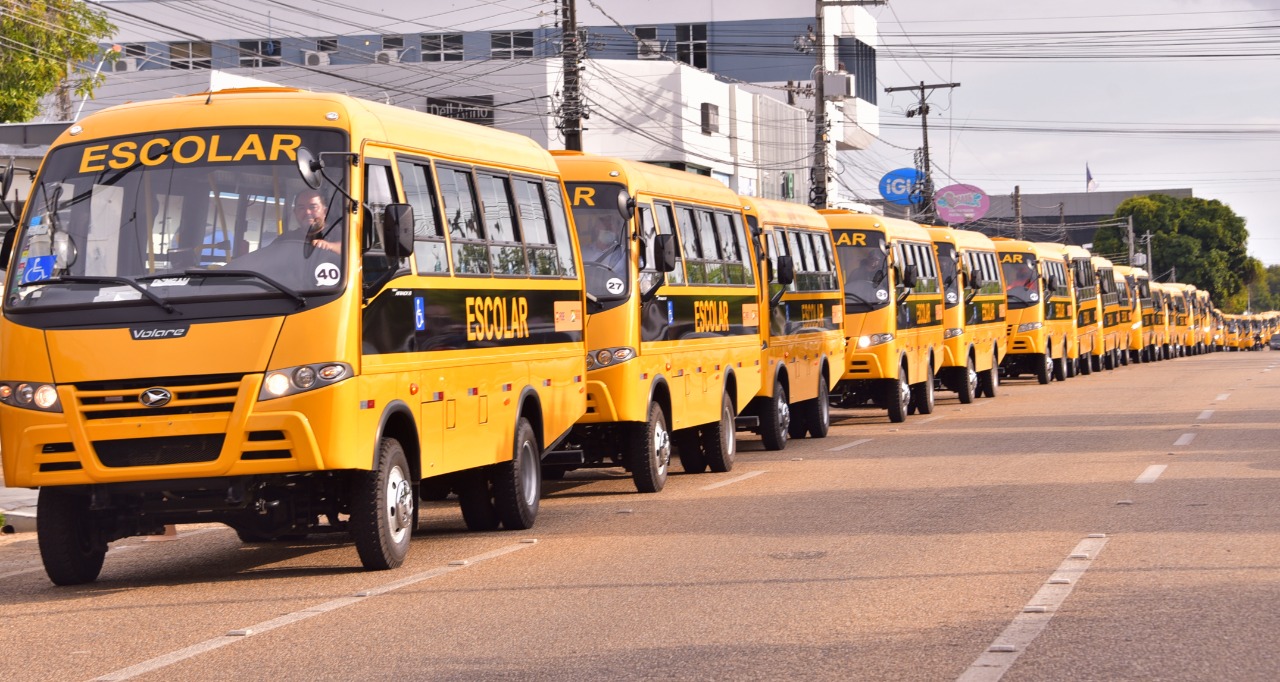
x=19, y=508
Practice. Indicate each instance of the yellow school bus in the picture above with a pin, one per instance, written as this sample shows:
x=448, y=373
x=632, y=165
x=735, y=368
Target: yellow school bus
x=892, y=313
x=282, y=310
x=1040, y=318
x=1115, y=315
x=673, y=318
x=1061, y=310
x=1084, y=283
x=803, y=337
x=974, y=339
x=1139, y=289
x=1182, y=322
x=1205, y=323
x=1162, y=319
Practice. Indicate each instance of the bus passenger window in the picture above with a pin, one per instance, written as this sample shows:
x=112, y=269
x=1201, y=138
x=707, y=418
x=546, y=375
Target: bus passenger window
x=543, y=261
x=667, y=225
x=506, y=251
x=731, y=250
x=711, y=253
x=428, y=236
x=470, y=253
x=378, y=192
x=560, y=227
x=694, y=252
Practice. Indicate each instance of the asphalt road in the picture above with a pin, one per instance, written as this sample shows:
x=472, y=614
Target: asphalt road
x=1120, y=526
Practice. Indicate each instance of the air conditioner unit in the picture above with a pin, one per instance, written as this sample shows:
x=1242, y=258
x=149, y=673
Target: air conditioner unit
x=313, y=58
x=126, y=65
x=387, y=57
x=837, y=86
x=649, y=49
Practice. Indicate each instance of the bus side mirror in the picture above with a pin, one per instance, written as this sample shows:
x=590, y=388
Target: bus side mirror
x=6, y=249
x=397, y=231
x=909, y=277
x=786, y=270
x=626, y=205
x=309, y=168
x=1052, y=283
x=975, y=280
x=664, y=253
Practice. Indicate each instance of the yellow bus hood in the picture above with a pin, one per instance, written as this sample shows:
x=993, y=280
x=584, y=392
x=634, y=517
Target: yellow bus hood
x=238, y=347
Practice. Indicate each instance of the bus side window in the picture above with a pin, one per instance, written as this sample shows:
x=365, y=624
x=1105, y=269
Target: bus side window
x=470, y=253
x=429, y=249
x=505, y=248
x=694, y=253
x=711, y=249
x=801, y=259
x=730, y=250
x=667, y=225
x=648, y=230
x=379, y=190
x=560, y=227
x=539, y=246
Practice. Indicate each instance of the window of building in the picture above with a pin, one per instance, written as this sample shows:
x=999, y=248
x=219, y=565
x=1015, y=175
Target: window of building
x=691, y=44
x=859, y=59
x=190, y=55
x=442, y=47
x=511, y=44
x=710, y=118
x=393, y=42
x=259, y=53
x=326, y=45
x=647, y=32
x=134, y=50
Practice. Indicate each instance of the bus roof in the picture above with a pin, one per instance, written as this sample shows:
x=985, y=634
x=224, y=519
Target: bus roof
x=297, y=108
x=640, y=176
x=893, y=228
x=773, y=212
x=1005, y=244
x=1076, y=252
x=1100, y=262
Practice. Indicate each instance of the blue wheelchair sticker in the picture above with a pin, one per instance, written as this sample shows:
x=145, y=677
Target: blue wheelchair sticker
x=419, y=313
x=671, y=312
x=38, y=268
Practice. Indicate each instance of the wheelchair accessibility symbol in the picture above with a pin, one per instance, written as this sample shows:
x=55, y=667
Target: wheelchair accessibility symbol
x=38, y=268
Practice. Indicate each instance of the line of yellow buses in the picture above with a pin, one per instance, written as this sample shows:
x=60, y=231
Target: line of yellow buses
x=296, y=313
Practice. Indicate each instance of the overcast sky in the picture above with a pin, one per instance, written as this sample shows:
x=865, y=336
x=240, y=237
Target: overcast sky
x=1209, y=120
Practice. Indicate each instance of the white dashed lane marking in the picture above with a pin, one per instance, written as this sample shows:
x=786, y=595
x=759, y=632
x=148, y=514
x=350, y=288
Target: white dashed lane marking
x=848, y=445
x=1152, y=473
x=1223, y=396
x=1205, y=415
x=1185, y=439
x=735, y=479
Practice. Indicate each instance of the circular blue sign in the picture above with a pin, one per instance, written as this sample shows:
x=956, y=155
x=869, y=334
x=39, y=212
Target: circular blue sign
x=898, y=186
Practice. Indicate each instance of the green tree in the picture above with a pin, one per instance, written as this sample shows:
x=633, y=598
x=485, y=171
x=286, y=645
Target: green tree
x=1203, y=239
x=41, y=42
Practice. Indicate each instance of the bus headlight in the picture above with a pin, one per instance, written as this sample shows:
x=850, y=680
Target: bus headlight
x=291, y=380
x=874, y=340
x=1029, y=326
x=1136, y=325
x=952, y=333
x=607, y=357
x=42, y=397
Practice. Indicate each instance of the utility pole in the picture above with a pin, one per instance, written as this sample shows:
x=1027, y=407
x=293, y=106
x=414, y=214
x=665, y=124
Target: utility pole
x=922, y=110
x=1151, y=264
x=1132, y=246
x=1017, y=211
x=571, y=107
x=821, y=164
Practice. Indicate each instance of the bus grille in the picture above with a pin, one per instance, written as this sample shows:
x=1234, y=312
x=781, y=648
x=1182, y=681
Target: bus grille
x=137, y=452
x=191, y=395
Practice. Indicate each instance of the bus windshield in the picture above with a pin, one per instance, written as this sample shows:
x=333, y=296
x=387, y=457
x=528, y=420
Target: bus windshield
x=602, y=236
x=1021, y=283
x=866, y=273
x=181, y=217
x=948, y=267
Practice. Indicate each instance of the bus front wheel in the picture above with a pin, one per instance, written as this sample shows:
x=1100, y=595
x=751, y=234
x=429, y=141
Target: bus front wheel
x=989, y=381
x=1044, y=367
x=775, y=420
x=719, y=438
x=816, y=412
x=899, y=397
x=382, y=509
x=967, y=387
x=649, y=451
x=71, y=550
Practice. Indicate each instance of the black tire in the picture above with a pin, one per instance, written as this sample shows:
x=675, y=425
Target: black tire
x=1071, y=367
x=70, y=547
x=517, y=483
x=648, y=451
x=719, y=438
x=817, y=411
x=1086, y=364
x=1060, y=368
x=1109, y=361
x=1124, y=357
x=435, y=489
x=1095, y=362
x=967, y=385
x=922, y=393
x=382, y=509
x=775, y=418
x=989, y=381
x=1044, y=367
x=899, y=404
x=689, y=447
x=476, y=500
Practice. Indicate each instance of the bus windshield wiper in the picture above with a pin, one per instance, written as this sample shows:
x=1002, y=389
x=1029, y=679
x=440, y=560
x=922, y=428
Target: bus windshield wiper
x=284, y=289
x=102, y=279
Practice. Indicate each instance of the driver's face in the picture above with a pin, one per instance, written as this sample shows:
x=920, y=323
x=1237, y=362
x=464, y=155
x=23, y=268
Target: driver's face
x=310, y=213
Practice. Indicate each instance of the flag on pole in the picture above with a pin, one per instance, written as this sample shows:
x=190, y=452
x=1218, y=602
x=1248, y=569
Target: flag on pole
x=1089, y=183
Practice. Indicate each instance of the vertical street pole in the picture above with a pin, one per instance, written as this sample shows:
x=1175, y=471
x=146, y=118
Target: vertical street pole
x=571, y=107
x=1017, y=211
x=1151, y=263
x=1132, y=247
x=927, y=212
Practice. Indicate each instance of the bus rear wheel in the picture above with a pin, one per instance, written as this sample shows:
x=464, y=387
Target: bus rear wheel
x=382, y=508
x=70, y=548
x=719, y=438
x=922, y=398
x=649, y=452
x=517, y=484
x=989, y=380
x=815, y=413
x=690, y=450
x=1085, y=366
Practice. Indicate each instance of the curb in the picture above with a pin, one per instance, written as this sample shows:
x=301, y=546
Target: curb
x=19, y=522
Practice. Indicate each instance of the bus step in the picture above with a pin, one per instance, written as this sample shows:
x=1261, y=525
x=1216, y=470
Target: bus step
x=746, y=423
x=563, y=457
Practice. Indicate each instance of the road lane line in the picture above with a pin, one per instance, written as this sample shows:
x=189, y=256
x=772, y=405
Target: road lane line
x=930, y=419
x=1205, y=415
x=1185, y=439
x=846, y=446
x=1223, y=396
x=1026, y=626
x=241, y=634
x=735, y=479
x=1152, y=473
